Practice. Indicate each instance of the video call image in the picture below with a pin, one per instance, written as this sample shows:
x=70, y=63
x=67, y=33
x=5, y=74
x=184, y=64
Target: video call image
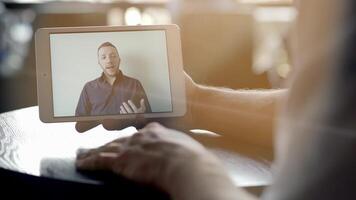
x=110, y=73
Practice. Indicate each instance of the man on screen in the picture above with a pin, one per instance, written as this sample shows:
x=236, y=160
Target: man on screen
x=112, y=92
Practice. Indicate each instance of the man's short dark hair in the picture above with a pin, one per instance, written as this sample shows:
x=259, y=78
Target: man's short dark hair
x=108, y=44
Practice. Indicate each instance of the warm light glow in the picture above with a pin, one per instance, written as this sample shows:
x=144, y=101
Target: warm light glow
x=279, y=14
x=283, y=70
x=115, y=17
x=133, y=16
x=204, y=132
x=156, y=16
x=265, y=1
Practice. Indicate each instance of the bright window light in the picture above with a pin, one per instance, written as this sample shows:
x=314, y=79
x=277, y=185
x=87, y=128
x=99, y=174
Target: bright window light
x=133, y=16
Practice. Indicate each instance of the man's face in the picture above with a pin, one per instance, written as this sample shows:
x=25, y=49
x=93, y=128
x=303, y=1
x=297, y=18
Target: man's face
x=109, y=60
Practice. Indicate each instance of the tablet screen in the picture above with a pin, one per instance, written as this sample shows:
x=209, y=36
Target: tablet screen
x=110, y=73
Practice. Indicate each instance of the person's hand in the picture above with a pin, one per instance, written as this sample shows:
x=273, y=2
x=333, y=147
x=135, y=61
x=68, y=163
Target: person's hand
x=183, y=123
x=165, y=158
x=130, y=107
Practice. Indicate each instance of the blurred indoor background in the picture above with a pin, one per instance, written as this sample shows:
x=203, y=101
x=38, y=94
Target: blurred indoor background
x=226, y=43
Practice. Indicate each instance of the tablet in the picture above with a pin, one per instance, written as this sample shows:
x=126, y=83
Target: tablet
x=96, y=73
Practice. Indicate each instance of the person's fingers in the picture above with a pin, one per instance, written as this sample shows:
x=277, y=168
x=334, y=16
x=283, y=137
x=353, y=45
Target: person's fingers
x=142, y=103
x=142, y=106
x=84, y=126
x=153, y=125
x=127, y=108
x=149, y=133
x=115, y=146
x=132, y=163
x=154, y=128
x=121, y=141
x=160, y=146
x=100, y=161
x=141, y=138
x=134, y=108
x=141, y=166
x=136, y=139
x=123, y=110
x=179, y=123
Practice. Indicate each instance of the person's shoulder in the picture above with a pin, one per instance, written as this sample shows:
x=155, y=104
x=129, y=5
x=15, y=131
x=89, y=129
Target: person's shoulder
x=130, y=79
x=92, y=83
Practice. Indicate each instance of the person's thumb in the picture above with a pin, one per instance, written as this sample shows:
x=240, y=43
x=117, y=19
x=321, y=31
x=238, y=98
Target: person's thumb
x=142, y=102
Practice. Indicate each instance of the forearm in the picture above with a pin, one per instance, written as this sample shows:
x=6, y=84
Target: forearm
x=244, y=115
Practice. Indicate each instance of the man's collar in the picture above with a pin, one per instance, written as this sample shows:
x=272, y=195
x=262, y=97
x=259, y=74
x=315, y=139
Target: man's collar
x=119, y=76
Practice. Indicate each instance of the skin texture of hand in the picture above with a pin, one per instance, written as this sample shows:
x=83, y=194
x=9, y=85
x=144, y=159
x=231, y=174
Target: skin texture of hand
x=184, y=123
x=130, y=107
x=165, y=158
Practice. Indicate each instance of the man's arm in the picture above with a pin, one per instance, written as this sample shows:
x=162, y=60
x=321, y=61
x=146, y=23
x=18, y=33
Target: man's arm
x=83, y=106
x=141, y=94
x=247, y=116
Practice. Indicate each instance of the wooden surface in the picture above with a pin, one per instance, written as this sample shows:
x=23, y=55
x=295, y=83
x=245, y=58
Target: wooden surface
x=25, y=142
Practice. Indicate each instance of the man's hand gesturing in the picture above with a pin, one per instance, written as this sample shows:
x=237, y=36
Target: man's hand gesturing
x=130, y=107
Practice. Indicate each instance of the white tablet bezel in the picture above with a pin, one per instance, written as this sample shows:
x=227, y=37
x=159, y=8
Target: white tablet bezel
x=44, y=73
